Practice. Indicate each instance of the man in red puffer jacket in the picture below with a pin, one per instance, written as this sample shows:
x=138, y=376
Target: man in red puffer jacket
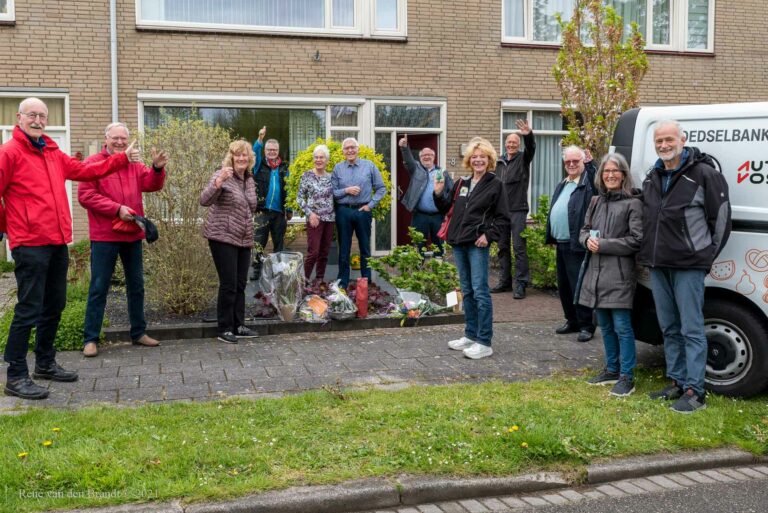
x=33, y=175
x=111, y=204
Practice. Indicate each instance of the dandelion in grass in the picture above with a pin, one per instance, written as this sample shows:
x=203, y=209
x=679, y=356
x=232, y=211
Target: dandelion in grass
x=524, y=445
x=47, y=443
x=22, y=455
x=56, y=430
x=514, y=428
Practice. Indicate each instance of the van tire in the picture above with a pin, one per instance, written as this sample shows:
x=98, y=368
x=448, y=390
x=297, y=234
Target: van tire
x=737, y=353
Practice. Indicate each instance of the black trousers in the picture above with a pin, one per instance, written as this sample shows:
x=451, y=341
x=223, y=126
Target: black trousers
x=522, y=272
x=41, y=280
x=232, y=264
x=266, y=223
x=568, y=264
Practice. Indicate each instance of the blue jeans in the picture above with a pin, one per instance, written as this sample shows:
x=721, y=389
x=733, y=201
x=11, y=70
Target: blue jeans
x=618, y=339
x=679, y=298
x=428, y=225
x=103, y=259
x=41, y=287
x=348, y=221
x=472, y=264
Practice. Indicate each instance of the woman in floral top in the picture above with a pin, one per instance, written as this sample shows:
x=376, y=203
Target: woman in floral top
x=315, y=198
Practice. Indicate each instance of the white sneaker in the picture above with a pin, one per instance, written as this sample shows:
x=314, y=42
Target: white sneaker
x=477, y=351
x=460, y=344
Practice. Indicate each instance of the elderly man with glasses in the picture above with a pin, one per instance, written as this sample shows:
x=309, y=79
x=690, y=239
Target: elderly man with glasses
x=566, y=217
x=357, y=188
x=33, y=175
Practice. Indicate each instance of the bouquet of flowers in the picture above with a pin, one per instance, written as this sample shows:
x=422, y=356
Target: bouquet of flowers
x=282, y=281
x=412, y=305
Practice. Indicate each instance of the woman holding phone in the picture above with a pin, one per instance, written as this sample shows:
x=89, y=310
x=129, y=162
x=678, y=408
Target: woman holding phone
x=612, y=233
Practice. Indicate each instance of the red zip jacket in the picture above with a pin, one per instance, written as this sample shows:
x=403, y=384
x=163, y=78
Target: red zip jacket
x=32, y=187
x=103, y=198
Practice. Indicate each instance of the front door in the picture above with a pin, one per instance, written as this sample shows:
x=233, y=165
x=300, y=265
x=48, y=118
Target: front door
x=416, y=142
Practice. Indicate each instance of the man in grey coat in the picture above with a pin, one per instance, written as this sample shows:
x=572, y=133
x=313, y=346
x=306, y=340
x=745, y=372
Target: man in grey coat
x=419, y=199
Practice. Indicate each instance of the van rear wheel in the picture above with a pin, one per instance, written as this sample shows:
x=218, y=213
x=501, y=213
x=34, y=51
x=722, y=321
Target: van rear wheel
x=737, y=352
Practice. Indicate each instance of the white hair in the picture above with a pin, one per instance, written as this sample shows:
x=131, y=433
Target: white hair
x=669, y=122
x=116, y=124
x=29, y=100
x=322, y=148
x=345, y=141
x=575, y=148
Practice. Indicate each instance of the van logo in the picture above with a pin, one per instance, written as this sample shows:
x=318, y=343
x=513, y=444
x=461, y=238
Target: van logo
x=751, y=169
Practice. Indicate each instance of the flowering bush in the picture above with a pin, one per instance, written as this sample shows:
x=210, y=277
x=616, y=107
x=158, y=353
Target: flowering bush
x=304, y=162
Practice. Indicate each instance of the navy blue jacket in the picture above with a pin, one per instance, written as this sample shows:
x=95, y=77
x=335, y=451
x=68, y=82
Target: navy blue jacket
x=577, y=206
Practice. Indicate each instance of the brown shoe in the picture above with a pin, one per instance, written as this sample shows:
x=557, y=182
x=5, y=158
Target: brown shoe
x=146, y=340
x=90, y=349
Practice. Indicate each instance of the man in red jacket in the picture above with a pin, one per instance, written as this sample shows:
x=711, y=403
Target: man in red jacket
x=111, y=203
x=33, y=174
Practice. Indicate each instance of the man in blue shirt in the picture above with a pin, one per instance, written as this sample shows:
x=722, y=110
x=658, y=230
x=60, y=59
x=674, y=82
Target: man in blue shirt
x=272, y=217
x=357, y=189
x=419, y=198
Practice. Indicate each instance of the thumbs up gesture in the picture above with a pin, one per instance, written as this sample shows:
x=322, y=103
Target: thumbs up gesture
x=133, y=152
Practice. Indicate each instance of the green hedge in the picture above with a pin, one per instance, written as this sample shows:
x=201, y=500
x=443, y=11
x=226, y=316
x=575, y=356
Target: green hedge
x=69, y=336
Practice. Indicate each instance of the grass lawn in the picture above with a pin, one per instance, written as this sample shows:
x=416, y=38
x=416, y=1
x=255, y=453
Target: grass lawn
x=196, y=451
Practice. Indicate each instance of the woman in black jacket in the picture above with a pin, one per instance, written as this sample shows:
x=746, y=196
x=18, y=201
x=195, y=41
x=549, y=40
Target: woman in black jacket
x=479, y=217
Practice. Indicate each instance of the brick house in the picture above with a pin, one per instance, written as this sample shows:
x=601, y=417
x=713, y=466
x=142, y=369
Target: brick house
x=441, y=71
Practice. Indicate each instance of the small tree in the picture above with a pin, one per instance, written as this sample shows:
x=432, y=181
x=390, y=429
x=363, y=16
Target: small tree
x=598, y=73
x=304, y=162
x=180, y=272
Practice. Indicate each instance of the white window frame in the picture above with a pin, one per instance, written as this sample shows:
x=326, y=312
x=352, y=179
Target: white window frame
x=678, y=27
x=11, y=14
x=364, y=25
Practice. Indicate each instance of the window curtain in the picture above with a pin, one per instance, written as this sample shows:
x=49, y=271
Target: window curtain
x=305, y=126
x=661, y=22
x=631, y=11
x=698, y=24
x=386, y=14
x=546, y=168
x=344, y=13
x=270, y=13
x=514, y=18
x=545, y=27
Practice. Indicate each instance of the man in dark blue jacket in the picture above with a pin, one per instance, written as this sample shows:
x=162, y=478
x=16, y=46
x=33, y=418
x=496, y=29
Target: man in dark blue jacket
x=686, y=223
x=418, y=199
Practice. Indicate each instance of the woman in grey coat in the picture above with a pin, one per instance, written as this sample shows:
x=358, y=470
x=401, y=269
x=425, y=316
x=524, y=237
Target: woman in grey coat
x=612, y=233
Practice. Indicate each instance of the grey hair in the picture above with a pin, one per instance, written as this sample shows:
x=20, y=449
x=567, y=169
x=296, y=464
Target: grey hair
x=627, y=185
x=116, y=124
x=345, y=141
x=272, y=141
x=669, y=122
x=31, y=99
x=322, y=148
x=573, y=147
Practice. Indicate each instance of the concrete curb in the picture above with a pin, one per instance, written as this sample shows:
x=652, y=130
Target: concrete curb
x=277, y=327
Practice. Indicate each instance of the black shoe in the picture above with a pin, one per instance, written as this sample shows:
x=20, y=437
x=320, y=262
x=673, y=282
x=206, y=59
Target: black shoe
x=228, y=337
x=690, y=402
x=624, y=387
x=243, y=332
x=26, y=389
x=585, y=335
x=501, y=288
x=519, y=291
x=566, y=328
x=668, y=393
x=55, y=373
x=605, y=377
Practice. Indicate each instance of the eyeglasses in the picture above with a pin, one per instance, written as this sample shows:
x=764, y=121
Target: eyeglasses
x=35, y=115
x=572, y=162
x=271, y=149
x=350, y=148
x=613, y=172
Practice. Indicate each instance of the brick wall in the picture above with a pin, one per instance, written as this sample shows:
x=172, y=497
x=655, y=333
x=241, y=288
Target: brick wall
x=453, y=51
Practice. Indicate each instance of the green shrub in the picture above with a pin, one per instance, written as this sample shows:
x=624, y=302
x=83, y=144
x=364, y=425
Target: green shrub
x=69, y=336
x=6, y=266
x=304, y=162
x=405, y=268
x=541, y=256
x=179, y=271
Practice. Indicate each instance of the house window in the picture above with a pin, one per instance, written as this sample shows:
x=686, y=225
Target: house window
x=6, y=10
x=548, y=128
x=351, y=18
x=679, y=25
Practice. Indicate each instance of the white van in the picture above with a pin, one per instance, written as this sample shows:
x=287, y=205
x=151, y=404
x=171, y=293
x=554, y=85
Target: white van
x=736, y=302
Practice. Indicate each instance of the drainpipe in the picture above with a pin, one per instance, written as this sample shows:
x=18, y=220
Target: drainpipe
x=113, y=55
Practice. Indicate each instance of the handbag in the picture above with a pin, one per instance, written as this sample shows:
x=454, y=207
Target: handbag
x=443, y=231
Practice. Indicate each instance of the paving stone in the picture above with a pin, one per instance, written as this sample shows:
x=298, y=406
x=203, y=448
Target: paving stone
x=611, y=491
x=535, y=501
x=573, y=495
x=194, y=378
x=172, y=379
x=555, y=499
x=717, y=476
x=99, y=396
x=494, y=505
x=681, y=479
x=163, y=356
x=628, y=487
x=119, y=360
x=451, y=507
x=751, y=473
x=473, y=506
x=762, y=469
x=139, y=370
x=166, y=368
x=402, y=363
x=116, y=383
x=429, y=508
x=364, y=365
x=698, y=477
x=594, y=494
x=665, y=482
x=274, y=384
x=738, y=476
x=287, y=370
x=514, y=502
x=150, y=394
x=235, y=374
x=185, y=391
x=98, y=372
x=234, y=387
x=407, y=510
x=648, y=486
